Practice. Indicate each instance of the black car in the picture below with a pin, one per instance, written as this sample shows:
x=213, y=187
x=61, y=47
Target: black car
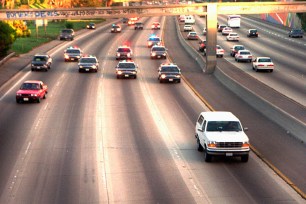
x=67, y=34
x=252, y=33
x=72, y=54
x=138, y=26
x=158, y=52
x=41, y=62
x=126, y=69
x=88, y=64
x=169, y=72
x=125, y=20
x=296, y=33
x=91, y=26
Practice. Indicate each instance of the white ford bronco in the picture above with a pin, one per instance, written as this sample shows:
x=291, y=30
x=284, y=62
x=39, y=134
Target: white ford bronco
x=221, y=134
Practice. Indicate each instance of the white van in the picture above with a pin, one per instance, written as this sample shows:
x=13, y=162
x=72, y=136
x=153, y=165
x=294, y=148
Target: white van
x=221, y=134
x=189, y=20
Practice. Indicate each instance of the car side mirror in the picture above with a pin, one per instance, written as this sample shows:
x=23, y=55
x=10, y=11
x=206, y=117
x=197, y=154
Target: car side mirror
x=201, y=130
x=245, y=129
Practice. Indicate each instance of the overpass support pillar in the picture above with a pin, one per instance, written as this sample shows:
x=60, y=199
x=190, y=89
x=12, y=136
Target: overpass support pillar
x=211, y=38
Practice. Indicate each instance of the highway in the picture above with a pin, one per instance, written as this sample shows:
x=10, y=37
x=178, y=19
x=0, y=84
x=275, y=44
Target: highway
x=98, y=139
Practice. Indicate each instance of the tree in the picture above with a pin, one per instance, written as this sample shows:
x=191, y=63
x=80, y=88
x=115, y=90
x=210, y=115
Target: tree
x=7, y=38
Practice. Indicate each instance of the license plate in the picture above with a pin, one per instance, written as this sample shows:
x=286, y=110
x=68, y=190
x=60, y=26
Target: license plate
x=126, y=75
x=72, y=58
x=26, y=99
x=38, y=67
x=158, y=56
x=170, y=79
x=229, y=154
x=87, y=70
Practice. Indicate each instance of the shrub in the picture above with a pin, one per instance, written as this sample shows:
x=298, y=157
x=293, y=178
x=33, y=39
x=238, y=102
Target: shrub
x=7, y=37
x=69, y=25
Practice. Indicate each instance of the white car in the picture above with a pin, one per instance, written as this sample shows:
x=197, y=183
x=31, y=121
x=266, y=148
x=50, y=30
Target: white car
x=220, y=133
x=188, y=28
x=263, y=63
x=219, y=51
x=226, y=30
x=243, y=55
x=232, y=37
x=204, y=31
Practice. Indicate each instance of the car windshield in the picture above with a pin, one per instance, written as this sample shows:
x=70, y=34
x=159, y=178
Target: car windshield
x=126, y=65
x=239, y=48
x=88, y=60
x=123, y=50
x=158, y=49
x=40, y=59
x=253, y=31
x=73, y=51
x=29, y=86
x=264, y=60
x=234, y=34
x=213, y=126
x=66, y=31
x=169, y=69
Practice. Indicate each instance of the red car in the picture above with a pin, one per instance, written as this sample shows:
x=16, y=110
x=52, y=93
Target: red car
x=31, y=91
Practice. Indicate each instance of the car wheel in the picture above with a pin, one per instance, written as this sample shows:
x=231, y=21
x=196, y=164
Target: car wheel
x=256, y=70
x=271, y=70
x=207, y=157
x=178, y=81
x=32, y=69
x=160, y=81
x=45, y=96
x=117, y=77
x=38, y=100
x=200, y=147
x=245, y=158
x=18, y=101
x=135, y=77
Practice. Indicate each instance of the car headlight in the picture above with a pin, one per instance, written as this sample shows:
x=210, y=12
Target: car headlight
x=149, y=43
x=177, y=76
x=33, y=94
x=118, y=54
x=119, y=72
x=212, y=144
x=81, y=66
x=164, y=54
x=129, y=54
x=94, y=66
x=66, y=56
x=134, y=72
x=163, y=76
x=153, y=54
x=18, y=94
x=246, y=145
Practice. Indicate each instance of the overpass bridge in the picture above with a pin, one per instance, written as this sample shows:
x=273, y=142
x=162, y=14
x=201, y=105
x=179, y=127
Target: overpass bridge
x=211, y=10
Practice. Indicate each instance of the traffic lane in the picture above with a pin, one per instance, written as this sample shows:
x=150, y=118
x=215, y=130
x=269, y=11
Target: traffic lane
x=222, y=99
x=55, y=79
x=139, y=164
x=293, y=88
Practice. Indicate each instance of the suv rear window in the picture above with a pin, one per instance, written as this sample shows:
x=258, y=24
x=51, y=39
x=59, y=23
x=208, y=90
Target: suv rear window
x=124, y=50
x=169, y=69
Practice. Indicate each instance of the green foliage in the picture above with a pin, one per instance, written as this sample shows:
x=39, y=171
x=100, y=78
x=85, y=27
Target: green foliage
x=302, y=17
x=69, y=25
x=7, y=37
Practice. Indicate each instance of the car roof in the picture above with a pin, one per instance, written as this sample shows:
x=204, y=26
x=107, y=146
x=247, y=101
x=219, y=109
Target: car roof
x=219, y=116
x=33, y=81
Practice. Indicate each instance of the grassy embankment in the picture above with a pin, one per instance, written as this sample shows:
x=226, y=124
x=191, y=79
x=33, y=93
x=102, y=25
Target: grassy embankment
x=24, y=45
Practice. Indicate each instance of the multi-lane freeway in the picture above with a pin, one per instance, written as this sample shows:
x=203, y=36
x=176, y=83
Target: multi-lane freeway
x=99, y=139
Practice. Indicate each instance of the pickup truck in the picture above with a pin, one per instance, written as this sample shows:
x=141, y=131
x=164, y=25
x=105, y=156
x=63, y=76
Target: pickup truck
x=221, y=134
